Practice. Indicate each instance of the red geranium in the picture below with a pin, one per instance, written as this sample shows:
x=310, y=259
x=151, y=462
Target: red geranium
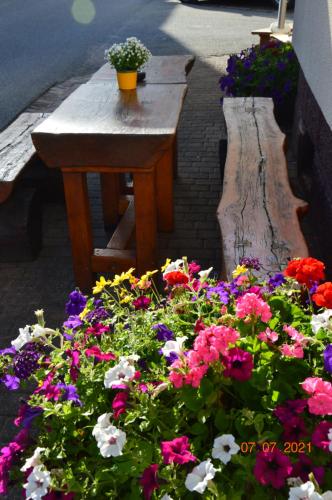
x=323, y=295
x=306, y=271
x=176, y=278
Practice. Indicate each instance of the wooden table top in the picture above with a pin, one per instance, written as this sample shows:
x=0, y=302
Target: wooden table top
x=159, y=69
x=99, y=125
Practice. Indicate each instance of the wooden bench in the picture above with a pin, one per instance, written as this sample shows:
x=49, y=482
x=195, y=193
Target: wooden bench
x=20, y=213
x=258, y=213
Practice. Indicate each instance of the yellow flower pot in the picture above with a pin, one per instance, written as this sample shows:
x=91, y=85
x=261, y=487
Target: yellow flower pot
x=127, y=80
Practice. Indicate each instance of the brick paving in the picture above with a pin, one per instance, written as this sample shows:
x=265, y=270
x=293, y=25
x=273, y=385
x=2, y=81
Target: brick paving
x=46, y=282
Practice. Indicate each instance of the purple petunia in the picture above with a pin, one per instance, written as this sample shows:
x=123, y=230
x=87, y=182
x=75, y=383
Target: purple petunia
x=76, y=303
x=276, y=280
x=328, y=358
x=97, y=315
x=11, y=382
x=72, y=323
x=27, y=414
x=221, y=290
x=7, y=351
x=250, y=263
x=163, y=333
x=70, y=393
x=25, y=362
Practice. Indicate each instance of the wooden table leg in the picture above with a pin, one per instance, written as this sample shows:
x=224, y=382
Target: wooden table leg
x=146, y=221
x=110, y=194
x=175, y=157
x=164, y=180
x=79, y=223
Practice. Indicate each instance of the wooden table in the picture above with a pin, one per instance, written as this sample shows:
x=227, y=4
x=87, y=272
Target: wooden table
x=101, y=129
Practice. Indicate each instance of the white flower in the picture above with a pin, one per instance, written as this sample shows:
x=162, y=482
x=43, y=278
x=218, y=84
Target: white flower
x=205, y=273
x=173, y=346
x=34, y=460
x=198, y=478
x=329, y=435
x=166, y=497
x=160, y=388
x=120, y=373
x=23, y=338
x=173, y=266
x=305, y=491
x=38, y=482
x=327, y=495
x=224, y=447
x=321, y=320
x=110, y=439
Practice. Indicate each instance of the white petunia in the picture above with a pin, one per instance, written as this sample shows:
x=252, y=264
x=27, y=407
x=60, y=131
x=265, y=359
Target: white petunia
x=38, y=482
x=305, y=491
x=224, y=447
x=166, y=497
x=23, y=338
x=120, y=373
x=174, y=346
x=329, y=435
x=205, y=273
x=198, y=478
x=34, y=460
x=327, y=495
x=110, y=439
x=321, y=320
x=173, y=266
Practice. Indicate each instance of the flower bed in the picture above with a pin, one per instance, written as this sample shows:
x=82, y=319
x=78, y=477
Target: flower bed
x=219, y=390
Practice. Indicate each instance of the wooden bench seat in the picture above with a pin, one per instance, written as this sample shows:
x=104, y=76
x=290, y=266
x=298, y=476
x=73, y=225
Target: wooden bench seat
x=258, y=213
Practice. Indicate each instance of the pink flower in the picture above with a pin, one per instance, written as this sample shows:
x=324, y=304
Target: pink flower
x=304, y=467
x=119, y=404
x=177, y=451
x=290, y=409
x=272, y=468
x=213, y=341
x=75, y=363
x=251, y=305
x=294, y=429
x=268, y=336
x=319, y=437
x=50, y=391
x=194, y=267
x=239, y=364
x=298, y=337
x=315, y=384
x=8, y=455
x=141, y=302
x=98, y=329
x=95, y=352
x=199, y=326
x=292, y=351
x=149, y=480
x=320, y=402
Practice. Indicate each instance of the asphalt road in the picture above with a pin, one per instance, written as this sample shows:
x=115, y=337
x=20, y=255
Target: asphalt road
x=47, y=41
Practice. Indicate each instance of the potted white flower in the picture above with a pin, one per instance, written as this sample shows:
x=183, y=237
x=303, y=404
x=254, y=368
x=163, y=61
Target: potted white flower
x=126, y=58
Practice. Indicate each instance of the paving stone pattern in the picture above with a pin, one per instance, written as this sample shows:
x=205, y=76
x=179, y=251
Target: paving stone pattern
x=46, y=282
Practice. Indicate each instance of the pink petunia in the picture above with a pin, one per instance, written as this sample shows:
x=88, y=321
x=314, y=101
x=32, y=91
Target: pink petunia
x=98, y=329
x=268, y=336
x=320, y=402
x=177, y=451
x=292, y=351
x=272, y=468
x=95, y=352
x=252, y=305
x=149, y=480
x=238, y=364
x=119, y=404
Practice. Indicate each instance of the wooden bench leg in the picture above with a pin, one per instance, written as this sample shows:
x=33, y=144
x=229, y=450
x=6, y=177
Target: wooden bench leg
x=110, y=194
x=164, y=180
x=79, y=223
x=146, y=223
x=175, y=157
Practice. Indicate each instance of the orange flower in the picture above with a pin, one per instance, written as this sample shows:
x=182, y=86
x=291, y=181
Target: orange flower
x=323, y=295
x=306, y=271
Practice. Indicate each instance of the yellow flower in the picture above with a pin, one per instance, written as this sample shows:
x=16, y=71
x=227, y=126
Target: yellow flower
x=122, y=277
x=100, y=285
x=84, y=313
x=145, y=278
x=167, y=263
x=126, y=299
x=239, y=270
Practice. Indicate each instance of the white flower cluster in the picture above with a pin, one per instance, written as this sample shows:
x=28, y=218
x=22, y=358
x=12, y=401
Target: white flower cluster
x=322, y=320
x=110, y=439
x=127, y=56
x=39, y=478
x=28, y=334
x=121, y=373
x=306, y=491
x=223, y=448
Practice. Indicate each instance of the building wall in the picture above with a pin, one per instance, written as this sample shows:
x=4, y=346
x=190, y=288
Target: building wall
x=313, y=45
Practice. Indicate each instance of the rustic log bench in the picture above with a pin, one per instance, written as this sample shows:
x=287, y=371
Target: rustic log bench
x=258, y=213
x=20, y=213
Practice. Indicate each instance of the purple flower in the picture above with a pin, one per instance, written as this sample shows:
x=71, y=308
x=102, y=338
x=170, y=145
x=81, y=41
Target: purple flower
x=163, y=333
x=11, y=382
x=276, y=280
x=171, y=358
x=281, y=66
x=97, y=315
x=220, y=290
x=76, y=303
x=27, y=414
x=7, y=350
x=328, y=358
x=70, y=393
x=26, y=360
x=72, y=323
x=250, y=263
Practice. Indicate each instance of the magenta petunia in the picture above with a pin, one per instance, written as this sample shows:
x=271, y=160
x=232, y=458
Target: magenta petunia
x=319, y=437
x=141, y=302
x=119, y=404
x=98, y=329
x=304, y=466
x=149, y=480
x=272, y=467
x=238, y=364
x=177, y=451
x=95, y=352
x=290, y=409
x=294, y=429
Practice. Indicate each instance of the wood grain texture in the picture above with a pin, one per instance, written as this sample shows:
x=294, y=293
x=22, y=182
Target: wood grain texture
x=164, y=184
x=123, y=233
x=16, y=150
x=159, y=69
x=110, y=195
x=258, y=213
x=100, y=125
